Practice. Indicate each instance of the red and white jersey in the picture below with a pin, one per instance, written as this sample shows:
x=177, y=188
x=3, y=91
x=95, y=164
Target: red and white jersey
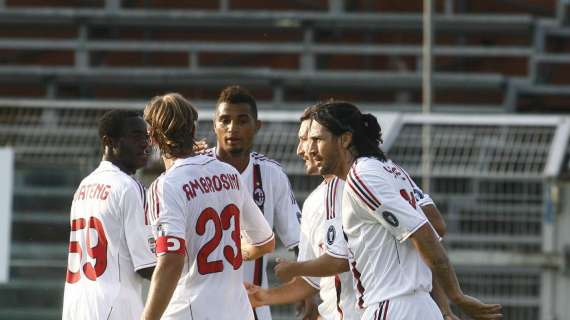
x=336, y=292
x=336, y=246
x=198, y=208
x=272, y=192
x=109, y=241
x=379, y=213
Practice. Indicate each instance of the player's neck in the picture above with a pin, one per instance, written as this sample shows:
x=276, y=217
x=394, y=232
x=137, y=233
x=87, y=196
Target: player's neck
x=119, y=165
x=238, y=161
x=169, y=161
x=345, y=165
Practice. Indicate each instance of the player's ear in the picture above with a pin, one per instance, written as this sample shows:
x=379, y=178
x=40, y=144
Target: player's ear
x=258, y=125
x=346, y=139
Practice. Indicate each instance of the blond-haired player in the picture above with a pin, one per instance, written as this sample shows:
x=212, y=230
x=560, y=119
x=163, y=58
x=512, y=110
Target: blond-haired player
x=198, y=207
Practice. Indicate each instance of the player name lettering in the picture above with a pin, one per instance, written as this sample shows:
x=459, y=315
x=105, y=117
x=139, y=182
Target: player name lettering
x=95, y=191
x=211, y=184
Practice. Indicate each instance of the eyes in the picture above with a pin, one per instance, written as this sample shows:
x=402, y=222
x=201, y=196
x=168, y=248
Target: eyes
x=241, y=121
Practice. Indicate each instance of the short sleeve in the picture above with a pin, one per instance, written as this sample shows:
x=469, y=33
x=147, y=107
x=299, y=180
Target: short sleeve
x=167, y=215
x=376, y=193
x=422, y=199
x=335, y=243
x=254, y=227
x=287, y=211
x=138, y=232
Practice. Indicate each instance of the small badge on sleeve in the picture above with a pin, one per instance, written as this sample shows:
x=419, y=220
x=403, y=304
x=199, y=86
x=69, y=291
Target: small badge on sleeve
x=331, y=235
x=390, y=218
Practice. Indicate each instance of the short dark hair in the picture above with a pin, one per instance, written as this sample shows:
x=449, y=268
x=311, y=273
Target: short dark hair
x=112, y=122
x=341, y=116
x=236, y=94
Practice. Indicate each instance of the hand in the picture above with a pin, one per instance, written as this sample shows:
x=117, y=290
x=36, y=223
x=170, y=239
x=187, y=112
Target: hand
x=257, y=295
x=307, y=309
x=450, y=316
x=284, y=270
x=200, y=146
x=479, y=310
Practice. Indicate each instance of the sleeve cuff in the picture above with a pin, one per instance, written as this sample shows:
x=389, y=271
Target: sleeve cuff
x=257, y=244
x=144, y=266
x=409, y=233
x=335, y=255
x=311, y=283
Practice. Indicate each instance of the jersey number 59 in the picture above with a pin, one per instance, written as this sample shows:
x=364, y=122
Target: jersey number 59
x=82, y=230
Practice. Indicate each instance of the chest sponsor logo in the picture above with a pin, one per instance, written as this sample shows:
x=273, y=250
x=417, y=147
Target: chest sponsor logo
x=331, y=235
x=259, y=196
x=390, y=218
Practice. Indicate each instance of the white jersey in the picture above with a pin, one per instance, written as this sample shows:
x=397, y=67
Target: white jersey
x=273, y=194
x=198, y=208
x=379, y=213
x=109, y=242
x=336, y=292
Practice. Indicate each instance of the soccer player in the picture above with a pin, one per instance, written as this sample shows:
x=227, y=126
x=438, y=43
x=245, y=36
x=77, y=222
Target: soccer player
x=110, y=248
x=198, y=208
x=393, y=249
x=235, y=125
x=336, y=292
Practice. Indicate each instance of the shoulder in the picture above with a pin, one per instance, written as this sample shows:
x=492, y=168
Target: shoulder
x=265, y=162
x=269, y=166
x=368, y=168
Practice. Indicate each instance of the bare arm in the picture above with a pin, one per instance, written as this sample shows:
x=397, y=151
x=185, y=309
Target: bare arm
x=250, y=252
x=295, y=290
x=434, y=216
x=435, y=257
x=442, y=302
x=164, y=280
x=324, y=266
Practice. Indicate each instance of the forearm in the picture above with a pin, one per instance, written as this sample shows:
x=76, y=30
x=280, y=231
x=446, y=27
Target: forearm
x=250, y=252
x=293, y=291
x=435, y=257
x=440, y=298
x=323, y=266
x=163, y=283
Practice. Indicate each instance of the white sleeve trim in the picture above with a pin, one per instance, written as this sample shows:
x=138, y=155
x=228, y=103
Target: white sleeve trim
x=311, y=283
x=335, y=255
x=264, y=241
x=409, y=233
x=146, y=265
x=293, y=245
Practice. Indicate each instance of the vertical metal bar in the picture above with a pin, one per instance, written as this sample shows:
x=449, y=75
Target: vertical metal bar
x=427, y=59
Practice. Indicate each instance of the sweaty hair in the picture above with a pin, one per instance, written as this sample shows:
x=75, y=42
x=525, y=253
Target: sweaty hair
x=340, y=117
x=236, y=94
x=307, y=113
x=112, y=122
x=172, y=120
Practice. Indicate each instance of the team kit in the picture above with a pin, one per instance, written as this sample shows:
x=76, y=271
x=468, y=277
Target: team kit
x=368, y=240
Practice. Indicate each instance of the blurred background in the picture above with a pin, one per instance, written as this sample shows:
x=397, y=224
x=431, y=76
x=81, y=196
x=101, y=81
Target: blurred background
x=473, y=100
